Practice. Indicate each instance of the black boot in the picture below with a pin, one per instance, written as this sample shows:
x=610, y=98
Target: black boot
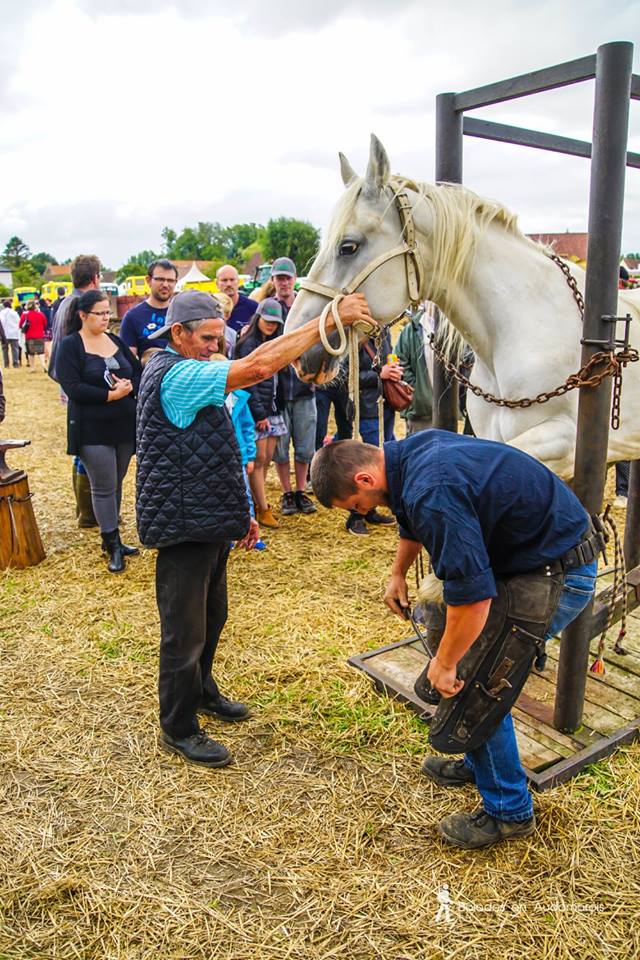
x=112, y=546
x=127, y=551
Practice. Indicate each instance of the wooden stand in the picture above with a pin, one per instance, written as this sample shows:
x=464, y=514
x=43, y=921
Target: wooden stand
x=20, y=543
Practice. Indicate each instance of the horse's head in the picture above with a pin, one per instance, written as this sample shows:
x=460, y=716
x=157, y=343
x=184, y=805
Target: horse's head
x=364, y=226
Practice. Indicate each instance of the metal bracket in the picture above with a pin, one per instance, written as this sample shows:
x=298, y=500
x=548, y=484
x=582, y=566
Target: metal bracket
x=612, y=342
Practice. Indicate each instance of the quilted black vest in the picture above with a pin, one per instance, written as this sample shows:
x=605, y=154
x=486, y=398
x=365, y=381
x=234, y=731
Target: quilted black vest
x=189, y=482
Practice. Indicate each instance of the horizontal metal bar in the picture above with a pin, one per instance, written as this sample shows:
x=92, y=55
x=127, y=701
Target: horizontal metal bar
x=538, y=81
x=504, y=133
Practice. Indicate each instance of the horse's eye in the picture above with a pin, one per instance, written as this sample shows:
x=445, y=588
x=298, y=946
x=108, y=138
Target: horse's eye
x=348, y=248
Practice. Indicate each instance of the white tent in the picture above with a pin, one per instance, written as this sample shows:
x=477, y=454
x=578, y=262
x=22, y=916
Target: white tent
x=193, y=275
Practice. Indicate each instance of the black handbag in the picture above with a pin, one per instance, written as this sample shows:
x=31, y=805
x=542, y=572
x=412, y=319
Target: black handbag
x=496, y=666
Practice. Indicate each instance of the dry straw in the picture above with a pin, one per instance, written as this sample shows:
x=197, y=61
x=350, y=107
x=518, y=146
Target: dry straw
x=319, y=843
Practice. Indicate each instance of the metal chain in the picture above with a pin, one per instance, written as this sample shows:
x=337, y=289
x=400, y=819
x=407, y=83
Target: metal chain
x=585, y=376
x=571, y=281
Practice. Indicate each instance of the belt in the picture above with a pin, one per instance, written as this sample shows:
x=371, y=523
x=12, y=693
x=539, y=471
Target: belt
x=588, y=549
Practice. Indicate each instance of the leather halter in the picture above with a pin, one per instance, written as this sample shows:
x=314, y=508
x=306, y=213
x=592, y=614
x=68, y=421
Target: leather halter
x=407, y=249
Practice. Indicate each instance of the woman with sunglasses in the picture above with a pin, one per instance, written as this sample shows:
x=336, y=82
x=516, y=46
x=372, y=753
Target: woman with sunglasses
x=100, y=376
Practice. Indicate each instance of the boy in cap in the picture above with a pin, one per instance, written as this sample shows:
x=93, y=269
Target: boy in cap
x=297, y=403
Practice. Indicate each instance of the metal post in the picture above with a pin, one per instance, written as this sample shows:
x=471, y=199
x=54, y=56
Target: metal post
x=449, y=170
x=632, y=525
x=610, y=131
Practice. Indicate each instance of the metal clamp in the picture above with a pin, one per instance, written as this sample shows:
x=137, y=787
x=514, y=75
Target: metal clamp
x=612, y=342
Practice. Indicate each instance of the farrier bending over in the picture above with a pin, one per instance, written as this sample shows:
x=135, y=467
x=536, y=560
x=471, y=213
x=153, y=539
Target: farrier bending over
x=485, y=512
x=191, y=501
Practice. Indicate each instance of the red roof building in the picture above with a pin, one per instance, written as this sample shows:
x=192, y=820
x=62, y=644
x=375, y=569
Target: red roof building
x=573, y=246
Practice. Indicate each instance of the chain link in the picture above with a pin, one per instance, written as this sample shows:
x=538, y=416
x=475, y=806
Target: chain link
x=571, y=281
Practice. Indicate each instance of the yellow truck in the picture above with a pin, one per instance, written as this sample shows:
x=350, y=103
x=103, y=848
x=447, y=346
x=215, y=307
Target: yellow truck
x=50, y=289
x=24, y=295
x=136, y=287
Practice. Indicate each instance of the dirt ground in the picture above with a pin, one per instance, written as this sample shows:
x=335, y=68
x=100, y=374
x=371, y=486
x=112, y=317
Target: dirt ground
x=319, y=842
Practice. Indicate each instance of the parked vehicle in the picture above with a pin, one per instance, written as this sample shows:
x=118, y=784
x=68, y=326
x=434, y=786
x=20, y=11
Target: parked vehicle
x=23, y=295
x=50, y=289
x=136, y=287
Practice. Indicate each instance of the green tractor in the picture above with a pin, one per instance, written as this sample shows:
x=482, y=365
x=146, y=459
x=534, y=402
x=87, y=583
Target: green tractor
x=261, y=275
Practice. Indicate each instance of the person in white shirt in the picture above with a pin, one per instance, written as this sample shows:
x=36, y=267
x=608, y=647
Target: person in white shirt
x=10, y=321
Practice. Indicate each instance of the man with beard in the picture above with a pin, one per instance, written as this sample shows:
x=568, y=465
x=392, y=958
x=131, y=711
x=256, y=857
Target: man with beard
x=145, y=318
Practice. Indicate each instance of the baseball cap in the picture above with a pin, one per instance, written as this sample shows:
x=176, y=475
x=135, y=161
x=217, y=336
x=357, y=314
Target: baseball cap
x=271, y=310
x=189, y=305
x=283, y=265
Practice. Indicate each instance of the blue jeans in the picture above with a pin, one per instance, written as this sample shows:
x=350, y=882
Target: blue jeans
x=500, y=778
x=369, y=427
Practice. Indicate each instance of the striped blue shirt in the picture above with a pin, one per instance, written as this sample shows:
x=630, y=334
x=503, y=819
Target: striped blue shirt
x=189, y=386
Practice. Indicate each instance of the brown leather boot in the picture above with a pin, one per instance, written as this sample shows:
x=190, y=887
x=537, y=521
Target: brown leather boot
x=84, y=506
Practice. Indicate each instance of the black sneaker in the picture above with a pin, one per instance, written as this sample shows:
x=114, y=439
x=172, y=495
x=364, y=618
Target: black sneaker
x=356, y=525
x=288, y=505
x=473, y=830
x=198, y=749
x=303, y=503
x=447, y=773
x=379, y=519
x=222, y=709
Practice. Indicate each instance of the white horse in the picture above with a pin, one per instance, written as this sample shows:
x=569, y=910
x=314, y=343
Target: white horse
x=501, y=291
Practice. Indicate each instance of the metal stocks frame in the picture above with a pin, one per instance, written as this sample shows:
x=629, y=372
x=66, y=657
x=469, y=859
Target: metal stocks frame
x=611, y=67
x=615, y=84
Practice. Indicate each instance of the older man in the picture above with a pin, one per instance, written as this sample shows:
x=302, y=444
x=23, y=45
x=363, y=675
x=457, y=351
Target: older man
x=191, y=502
x=486, y=513
x=243, y=308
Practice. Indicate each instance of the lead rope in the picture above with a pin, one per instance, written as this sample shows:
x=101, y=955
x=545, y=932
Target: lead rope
x=350, y=341
x=618, y=594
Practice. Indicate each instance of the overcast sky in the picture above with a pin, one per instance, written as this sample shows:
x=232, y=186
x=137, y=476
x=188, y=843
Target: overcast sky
x=118, y=121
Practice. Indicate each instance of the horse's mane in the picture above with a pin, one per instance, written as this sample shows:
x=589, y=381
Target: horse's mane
x=459, y=218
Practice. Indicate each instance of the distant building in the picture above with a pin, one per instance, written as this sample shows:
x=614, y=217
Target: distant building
x=6, y=277
x=54, y=271
x=572, y=246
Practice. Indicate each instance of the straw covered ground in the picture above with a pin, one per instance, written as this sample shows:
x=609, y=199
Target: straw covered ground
x=320, y=841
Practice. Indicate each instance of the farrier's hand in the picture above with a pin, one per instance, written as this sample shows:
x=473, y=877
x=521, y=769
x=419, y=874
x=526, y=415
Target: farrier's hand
x=396, y=596
x=355, y=309
x=252, y=537
x=444, y=679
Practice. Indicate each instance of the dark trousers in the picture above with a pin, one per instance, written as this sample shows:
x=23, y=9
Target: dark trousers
x=339, y=397
x=191, y=591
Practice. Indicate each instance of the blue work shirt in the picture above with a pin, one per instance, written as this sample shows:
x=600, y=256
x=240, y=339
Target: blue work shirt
x=482, y=509
x=189, y=386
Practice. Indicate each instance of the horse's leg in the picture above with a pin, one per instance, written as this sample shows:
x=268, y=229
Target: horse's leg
x=553, y=442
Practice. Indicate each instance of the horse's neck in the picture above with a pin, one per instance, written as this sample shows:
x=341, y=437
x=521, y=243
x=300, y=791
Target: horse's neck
x=507, y=300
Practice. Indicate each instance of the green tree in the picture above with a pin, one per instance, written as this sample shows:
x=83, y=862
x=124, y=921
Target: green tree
x=136, y=265
x=39, y=261
x=15, y=253
x=287, y=237
x=26, y=275
x=4, y=291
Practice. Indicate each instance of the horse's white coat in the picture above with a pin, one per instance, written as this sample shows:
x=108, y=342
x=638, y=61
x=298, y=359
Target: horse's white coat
x=505, y=296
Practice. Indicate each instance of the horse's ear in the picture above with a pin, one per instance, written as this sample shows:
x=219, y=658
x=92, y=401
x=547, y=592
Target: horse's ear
x=378, y=169
x=347, y=171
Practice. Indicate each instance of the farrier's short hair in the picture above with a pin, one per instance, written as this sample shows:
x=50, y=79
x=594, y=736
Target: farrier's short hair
x=333, y=468
x=83, y=269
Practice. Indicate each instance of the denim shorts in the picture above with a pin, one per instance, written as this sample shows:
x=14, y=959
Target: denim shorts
x=300, y=419
x=276, y=428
